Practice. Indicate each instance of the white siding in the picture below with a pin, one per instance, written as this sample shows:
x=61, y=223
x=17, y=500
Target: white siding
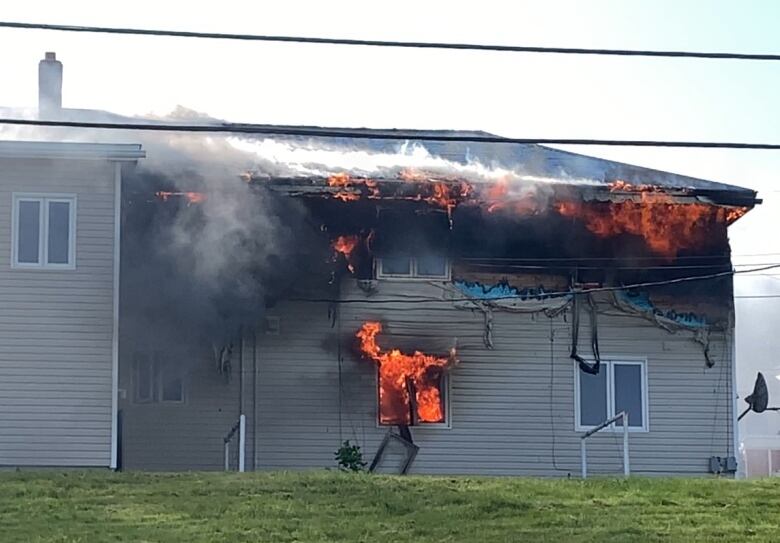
x=512, y=407
x=56, y=325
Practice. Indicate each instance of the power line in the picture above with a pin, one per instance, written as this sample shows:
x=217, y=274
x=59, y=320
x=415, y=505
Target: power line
x=558, y=294
x=377, y=134
x=391, y=43
x=504, y=265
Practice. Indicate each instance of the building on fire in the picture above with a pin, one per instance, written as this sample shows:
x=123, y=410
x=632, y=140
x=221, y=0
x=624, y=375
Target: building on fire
x=474, y=312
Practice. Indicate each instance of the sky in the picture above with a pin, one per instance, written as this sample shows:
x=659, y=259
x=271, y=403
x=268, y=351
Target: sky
x=510, y=94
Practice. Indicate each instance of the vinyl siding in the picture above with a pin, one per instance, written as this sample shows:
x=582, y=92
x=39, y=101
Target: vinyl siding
x=56, y=325
x=512, y=407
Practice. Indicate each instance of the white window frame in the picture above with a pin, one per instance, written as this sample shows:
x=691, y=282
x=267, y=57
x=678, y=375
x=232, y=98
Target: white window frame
x=608, y=365
x=446, y=425
x=161, y=369
x=43, y=199
x=138, y=361
x=413, y=275
x=158, y=369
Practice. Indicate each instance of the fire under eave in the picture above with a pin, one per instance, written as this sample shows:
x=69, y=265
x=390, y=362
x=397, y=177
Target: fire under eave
x=393, y=189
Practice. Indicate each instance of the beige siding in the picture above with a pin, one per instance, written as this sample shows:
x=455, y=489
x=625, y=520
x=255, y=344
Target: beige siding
x=512, y=407
x=56, y=325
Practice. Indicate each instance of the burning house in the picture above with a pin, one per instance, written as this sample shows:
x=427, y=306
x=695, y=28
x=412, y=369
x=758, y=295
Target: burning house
x=451, y=307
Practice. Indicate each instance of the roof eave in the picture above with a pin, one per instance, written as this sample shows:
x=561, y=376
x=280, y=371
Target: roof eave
x=118, y=152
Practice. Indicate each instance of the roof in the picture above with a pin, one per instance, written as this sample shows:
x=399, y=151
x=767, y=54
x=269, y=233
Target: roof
x=594, y=175
x=123, y=152
x=539, y=159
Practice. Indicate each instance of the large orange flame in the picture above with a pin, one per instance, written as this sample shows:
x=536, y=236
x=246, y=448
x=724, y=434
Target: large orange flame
x=666, y=226
x=395, y=368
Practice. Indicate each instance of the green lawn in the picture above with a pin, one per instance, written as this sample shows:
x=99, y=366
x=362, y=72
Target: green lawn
x=331, y=506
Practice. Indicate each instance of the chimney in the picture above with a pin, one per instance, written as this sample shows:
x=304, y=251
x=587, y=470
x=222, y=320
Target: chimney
x=49, y=86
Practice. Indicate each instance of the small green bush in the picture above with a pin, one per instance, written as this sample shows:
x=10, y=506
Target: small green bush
x=349, y=457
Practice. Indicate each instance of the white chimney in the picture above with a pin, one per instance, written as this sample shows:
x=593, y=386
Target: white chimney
x=49, y=86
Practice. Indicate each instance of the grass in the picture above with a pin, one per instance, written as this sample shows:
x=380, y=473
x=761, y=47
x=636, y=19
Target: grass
x=331, y=506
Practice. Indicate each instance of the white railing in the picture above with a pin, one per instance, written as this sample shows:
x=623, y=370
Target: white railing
x=584, y=455
x=239, y=427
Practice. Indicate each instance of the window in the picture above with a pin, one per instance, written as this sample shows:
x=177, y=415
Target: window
x=144, y=379
x=157, y=381
x=432, y=399
x=44, y=231
x=410, y=267
x=620, y=385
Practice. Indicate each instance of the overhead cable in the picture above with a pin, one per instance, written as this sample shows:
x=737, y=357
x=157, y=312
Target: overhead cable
x=393, y=43
x=376, y=134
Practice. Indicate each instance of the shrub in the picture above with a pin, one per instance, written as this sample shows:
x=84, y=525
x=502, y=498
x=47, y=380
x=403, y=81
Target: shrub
x=349, y=457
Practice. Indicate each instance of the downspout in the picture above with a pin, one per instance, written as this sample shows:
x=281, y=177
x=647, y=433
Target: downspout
x=240, y=370
x=254, y=398
x=741, y=473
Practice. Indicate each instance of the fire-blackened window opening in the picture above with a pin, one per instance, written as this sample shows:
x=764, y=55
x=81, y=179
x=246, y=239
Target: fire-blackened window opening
x=157, y=380
x=413, y=267
x=620, y=385
x=44, y=231
x=430, y=406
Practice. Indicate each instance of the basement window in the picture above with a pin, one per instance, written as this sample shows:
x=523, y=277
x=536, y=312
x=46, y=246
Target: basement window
x=413, y=267
x=155, y=381
x=44, y=231
x=620, y=385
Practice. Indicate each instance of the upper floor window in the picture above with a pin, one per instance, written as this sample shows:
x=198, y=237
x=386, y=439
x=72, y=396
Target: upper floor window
x=620, y=385
x=44, y=231
x=413, y=267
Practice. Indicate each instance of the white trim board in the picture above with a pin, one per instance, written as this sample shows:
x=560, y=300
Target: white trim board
x=125, y=152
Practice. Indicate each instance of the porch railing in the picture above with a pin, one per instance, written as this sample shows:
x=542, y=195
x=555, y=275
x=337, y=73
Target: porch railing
x=583, y=452
x=240, y=428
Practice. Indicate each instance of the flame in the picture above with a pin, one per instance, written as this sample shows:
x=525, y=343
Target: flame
x=395, y=368
x=191, y=196
x=350, y=187
x=345, y=245
x=666, y=225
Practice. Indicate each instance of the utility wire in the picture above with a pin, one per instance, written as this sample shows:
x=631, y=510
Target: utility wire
x=378, y=134
x=558, y=294
x=391, y=43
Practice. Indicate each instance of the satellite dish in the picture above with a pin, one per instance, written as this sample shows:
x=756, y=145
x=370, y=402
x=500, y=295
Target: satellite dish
x=758, y=400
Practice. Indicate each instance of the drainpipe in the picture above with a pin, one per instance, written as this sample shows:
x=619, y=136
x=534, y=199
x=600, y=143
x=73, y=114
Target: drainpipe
x=254, y=398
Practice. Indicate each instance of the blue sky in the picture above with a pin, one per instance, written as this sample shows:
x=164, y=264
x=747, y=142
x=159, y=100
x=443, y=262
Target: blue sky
x=510, y=94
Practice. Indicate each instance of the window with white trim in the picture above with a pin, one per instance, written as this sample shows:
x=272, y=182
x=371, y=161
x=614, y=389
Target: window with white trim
x=157, y=381
x=620, y=385
x=44, y=231
x=413, y=267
